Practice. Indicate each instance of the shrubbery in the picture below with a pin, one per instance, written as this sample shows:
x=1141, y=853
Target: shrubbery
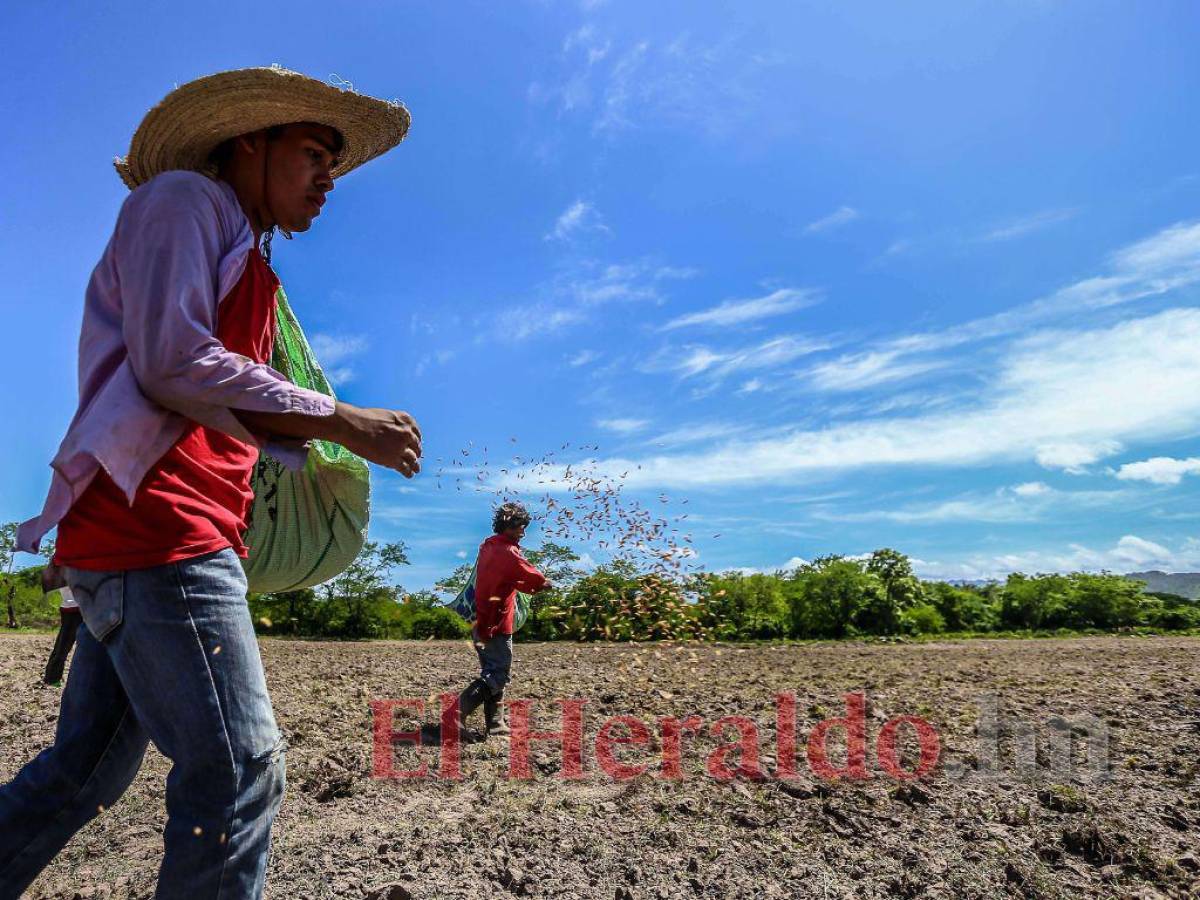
x=831, y=597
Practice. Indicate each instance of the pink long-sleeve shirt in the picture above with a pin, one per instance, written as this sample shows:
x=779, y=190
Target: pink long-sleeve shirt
x=149, y=359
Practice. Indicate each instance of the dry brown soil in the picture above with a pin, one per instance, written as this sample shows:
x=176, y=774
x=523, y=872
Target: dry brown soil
x=1035, y=826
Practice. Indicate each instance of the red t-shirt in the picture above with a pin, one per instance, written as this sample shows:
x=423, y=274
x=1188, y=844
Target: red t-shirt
x=500, y=572
x=197, y=497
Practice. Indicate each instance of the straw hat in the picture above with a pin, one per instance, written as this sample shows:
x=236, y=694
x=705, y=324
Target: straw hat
x=182, y=131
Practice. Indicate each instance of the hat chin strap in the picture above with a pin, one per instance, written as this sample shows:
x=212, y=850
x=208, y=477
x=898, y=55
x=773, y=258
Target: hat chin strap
x=268, y=233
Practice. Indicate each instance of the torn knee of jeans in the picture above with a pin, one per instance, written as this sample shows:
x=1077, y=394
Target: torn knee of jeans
x=272, y=755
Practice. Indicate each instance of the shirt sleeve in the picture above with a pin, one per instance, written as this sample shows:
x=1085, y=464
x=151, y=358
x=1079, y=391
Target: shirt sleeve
x=526, y=578
x=168, y=251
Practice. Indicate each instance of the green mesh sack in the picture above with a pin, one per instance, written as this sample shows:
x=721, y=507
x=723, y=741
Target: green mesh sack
x=308, y=526
x=464, y=603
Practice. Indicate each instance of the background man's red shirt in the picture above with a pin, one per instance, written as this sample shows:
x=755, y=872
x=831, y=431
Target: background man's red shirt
x=500, y=572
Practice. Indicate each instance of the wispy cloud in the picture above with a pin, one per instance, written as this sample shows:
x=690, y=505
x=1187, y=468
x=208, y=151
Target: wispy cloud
x=1073, y=457
x=1023, y=503
x=1032, y=489
x=752, y=309
x=857, y=371
x=334, y=352
x=1159, y=470
x=439, y=357
x=570, y=298
x=1163, y=262
x=717, y=365
x=578, y=218
x=1036, y=222
x=1084, y=390
x=1152, y=267
x=583, y=358
x=680, y=81
x=1130, y=553
x=842, y=216
x=695, y=434
x=622, y=426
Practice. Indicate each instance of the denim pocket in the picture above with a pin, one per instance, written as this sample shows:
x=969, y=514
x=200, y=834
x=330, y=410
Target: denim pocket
x=101, y=599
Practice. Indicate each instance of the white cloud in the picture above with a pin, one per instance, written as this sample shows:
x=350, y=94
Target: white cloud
x=695, y=434
x=333, y=351
x=857, y=371
x=622, y=426
x=1023, y=503
x=1171, y=250
x=569, y=298
x=796, y=562
x=836, y=219
x=737, y=312
x=751, y=386
x=1032, y=489
x=1023, y=226
x=1160, y=470
x=523, y=322
x=576, y=219
x=679, y=82
x=1130, y=553
x=583, y=357
x=438, y=357
x=1074, y=457
x=1052, y=395
x=1163, y=262
x=700, y=360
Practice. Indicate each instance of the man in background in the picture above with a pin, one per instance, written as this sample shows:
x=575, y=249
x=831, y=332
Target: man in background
x=500, y=572
x=55, y=582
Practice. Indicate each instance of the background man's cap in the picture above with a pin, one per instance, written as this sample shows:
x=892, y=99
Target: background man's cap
x=182, y=131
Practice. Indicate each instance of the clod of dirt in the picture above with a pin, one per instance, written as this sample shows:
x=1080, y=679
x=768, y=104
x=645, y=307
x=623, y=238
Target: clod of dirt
x=912, y=794
x=513, y=879
x=1062, y=798
x=389, y=892
x=800, y=788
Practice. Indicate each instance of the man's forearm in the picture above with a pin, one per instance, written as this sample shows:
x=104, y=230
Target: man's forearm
x=387, y=437
x=297, y=425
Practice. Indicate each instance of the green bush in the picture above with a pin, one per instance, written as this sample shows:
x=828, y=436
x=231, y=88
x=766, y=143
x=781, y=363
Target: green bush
x=923, y=618
x=438, y=623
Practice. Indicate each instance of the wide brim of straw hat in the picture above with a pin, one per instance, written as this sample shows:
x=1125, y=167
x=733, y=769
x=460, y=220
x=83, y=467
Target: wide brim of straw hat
x=182, y=131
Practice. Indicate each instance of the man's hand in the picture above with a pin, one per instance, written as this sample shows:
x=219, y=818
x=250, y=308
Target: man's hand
x=384, y=436
x=547, y=587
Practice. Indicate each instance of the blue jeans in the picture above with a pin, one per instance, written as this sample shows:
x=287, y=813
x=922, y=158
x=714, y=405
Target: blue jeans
x=166, y=654
x=495, y=663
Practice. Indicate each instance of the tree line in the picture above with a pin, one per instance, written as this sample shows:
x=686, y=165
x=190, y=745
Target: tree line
x=830, y=597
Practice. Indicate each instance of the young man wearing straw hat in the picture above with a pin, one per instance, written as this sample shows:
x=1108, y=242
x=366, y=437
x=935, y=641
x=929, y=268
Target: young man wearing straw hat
x=151, y=485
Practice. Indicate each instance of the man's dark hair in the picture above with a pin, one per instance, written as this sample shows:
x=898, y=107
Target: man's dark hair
x=509, y=515
x=223, y=152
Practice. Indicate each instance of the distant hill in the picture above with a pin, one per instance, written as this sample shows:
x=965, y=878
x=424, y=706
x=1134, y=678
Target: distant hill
x=1186, y=584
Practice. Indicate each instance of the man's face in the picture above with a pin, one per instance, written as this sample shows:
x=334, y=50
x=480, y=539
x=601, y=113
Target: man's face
x=298, y=178
x=517, y=532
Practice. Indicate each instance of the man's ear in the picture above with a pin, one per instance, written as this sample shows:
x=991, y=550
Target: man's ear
x=251, y=143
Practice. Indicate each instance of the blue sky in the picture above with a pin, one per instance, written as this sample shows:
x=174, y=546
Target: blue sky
x=923, y=275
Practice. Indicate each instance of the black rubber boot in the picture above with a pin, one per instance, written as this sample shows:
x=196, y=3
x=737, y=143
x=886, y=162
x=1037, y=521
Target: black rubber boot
x=470, y=699
x=493, y=715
